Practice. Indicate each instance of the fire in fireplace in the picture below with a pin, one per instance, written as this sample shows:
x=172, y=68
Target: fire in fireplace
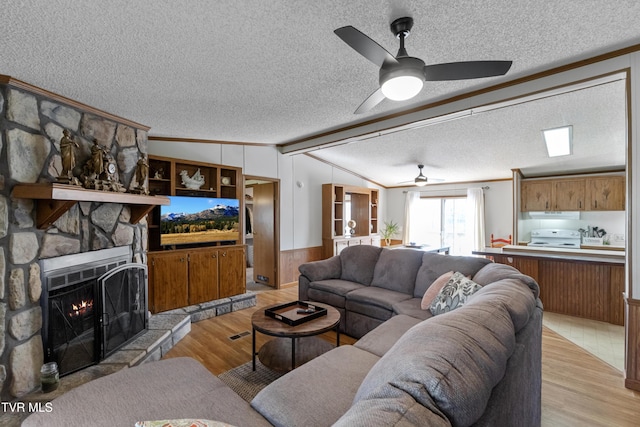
x=93, y=303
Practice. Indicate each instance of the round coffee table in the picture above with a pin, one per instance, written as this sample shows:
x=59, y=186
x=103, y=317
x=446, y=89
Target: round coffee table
x=294, y=345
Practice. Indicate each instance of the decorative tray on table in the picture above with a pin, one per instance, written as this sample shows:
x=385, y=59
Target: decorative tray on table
x=296, y=312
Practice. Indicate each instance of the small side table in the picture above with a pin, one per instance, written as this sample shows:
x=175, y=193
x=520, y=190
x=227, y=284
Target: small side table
x=294, y=345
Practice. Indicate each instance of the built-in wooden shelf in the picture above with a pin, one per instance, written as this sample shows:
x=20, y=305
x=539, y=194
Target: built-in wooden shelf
x=54, y=199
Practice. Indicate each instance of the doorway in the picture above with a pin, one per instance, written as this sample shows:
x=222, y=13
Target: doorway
x=262, y=200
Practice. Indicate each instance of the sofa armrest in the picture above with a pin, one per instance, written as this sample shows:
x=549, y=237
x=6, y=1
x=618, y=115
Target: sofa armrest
x=325, y=269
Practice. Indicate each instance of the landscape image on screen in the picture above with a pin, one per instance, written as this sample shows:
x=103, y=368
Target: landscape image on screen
x=189, y=220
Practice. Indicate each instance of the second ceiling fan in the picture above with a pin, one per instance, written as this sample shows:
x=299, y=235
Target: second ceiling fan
x=402, y=76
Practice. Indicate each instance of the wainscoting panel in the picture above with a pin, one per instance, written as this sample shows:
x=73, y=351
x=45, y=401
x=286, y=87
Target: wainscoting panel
x=290, y=261
x=632, y=374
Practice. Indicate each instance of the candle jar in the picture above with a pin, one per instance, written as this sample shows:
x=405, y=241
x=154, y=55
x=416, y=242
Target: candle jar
x=49, y=377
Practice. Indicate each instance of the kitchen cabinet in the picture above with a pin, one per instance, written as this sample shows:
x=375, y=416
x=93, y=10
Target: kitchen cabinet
x=569, y=195
x=185, y=277
x=535, y=195
x=581, y=193
x=606, y=193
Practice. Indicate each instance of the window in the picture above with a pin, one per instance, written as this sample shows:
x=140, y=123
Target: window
x=440, y=222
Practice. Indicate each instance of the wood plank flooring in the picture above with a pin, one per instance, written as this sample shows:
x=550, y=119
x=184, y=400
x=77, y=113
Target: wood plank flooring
x=577, y=387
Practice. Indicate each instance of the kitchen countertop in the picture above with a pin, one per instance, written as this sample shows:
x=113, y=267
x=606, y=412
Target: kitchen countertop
x=575, y=254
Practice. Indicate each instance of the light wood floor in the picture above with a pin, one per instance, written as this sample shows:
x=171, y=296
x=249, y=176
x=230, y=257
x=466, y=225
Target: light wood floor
x=577, y=387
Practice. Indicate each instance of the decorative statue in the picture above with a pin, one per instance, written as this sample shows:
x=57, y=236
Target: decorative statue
x=97, y=156
x=159, y=173
x=67, y=151
x=142, y=172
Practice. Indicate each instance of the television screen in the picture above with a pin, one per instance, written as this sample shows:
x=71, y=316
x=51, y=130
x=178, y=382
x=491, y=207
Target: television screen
x=189, y=220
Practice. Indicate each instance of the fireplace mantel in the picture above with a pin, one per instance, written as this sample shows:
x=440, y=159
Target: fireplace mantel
x=54, y=199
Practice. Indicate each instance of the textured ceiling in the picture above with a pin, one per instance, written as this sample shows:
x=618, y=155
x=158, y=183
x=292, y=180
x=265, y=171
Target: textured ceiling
x=273, y=71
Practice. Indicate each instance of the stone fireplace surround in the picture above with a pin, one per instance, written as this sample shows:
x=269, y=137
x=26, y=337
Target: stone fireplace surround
x=31, y=124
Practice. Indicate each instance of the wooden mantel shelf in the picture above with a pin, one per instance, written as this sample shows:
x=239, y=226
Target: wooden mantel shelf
x=55, y=199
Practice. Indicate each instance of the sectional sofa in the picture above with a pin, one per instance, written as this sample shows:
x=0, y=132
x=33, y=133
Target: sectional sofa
x=476, y=365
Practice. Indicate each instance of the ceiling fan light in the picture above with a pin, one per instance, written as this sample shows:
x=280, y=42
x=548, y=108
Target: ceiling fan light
x=403, y=80
x=401, y=88
x=421, y=182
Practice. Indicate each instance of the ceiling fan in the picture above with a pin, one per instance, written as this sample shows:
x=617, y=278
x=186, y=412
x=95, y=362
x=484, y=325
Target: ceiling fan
x=421, y=180
x=402, y=76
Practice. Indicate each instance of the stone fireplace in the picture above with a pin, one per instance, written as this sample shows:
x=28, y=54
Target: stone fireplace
x=92, y=304
x=32, y=121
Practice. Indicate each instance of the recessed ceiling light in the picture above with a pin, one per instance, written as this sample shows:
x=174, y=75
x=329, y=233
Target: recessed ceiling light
x=558, y=141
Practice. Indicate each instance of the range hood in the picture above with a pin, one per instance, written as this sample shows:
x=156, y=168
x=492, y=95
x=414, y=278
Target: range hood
x=554, y=214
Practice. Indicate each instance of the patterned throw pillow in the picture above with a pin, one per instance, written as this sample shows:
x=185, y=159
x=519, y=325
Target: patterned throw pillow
x=454, y=294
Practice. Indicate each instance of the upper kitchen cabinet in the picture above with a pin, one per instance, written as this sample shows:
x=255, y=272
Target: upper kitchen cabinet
x=535, y=195
x=569, y=195
x=606, y=193
x=578, y=193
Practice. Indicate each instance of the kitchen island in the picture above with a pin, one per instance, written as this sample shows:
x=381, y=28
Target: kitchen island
x=586, y=283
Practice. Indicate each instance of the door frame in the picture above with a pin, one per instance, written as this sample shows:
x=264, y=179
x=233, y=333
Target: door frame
x=276, y=219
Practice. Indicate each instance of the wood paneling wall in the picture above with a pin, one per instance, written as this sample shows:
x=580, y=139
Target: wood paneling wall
x=582, y=289
x=290, y=261
x=632, y=374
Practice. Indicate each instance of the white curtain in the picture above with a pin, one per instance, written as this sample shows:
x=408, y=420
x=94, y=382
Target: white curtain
x=475, y=218
x=409, y=209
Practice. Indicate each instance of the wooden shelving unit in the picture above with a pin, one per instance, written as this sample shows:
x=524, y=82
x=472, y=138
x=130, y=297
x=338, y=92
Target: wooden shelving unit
x=341, y=203
x=184, y=275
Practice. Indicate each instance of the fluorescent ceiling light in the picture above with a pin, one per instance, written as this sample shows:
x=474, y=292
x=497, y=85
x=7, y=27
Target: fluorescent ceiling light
x=558, y=141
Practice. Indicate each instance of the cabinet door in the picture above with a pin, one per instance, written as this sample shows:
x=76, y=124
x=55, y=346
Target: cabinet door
x=569, y=195
x=606, y=193
x=340, y=245
x=232, y=271
x=203, y=276
x=169, y=279
x=535, y=196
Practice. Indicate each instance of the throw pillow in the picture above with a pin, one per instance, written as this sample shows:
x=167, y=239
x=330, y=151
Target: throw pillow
x=434, y=290
x=454, y=294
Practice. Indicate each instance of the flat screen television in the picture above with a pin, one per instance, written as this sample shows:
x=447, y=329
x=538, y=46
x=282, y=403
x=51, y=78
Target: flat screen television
x=194, y=220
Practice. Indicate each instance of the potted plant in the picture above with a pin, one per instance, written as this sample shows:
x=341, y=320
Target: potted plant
x=389, y=230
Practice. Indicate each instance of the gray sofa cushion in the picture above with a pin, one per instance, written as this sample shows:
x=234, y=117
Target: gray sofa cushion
x=326, y=385
x=434, y=265
x=332, y=291
x=392, y=407
x=358, y=263
x=411, y=307
x=361, y=299
x=381, y=339
x=452, y=361
x=167, y=389
x=396, y=270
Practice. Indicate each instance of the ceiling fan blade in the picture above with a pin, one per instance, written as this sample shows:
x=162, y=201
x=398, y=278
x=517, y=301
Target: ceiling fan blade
x=465, y=70
x=365, y=46
x=374, y=99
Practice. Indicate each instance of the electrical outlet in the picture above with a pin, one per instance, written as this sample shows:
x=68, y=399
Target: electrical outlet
x=618, y=238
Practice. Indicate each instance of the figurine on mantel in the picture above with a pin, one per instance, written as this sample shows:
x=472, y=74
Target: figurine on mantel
x=142, y=172
x=68, y=154
x=100, y=172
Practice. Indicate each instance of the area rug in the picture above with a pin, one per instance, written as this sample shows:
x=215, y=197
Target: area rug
x=247, y=382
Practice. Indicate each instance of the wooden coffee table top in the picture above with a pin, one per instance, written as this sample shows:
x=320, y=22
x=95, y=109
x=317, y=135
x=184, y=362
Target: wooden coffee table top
x=270, y=326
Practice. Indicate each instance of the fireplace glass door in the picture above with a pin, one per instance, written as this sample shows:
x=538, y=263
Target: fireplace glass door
x=124, y=305
x=72, y=326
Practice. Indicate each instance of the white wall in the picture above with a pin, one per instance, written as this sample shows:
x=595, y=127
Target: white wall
x=498, y=203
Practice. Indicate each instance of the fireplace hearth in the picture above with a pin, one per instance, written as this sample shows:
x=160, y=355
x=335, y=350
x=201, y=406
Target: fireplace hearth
x=93, y=303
